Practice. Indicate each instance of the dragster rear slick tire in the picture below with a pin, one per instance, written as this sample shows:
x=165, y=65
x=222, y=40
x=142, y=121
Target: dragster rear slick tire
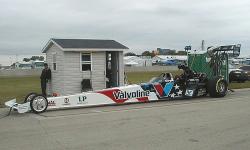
x=217, y=87
x=38, y=104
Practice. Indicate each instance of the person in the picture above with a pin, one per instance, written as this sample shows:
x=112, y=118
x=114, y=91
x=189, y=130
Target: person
x=45, y=77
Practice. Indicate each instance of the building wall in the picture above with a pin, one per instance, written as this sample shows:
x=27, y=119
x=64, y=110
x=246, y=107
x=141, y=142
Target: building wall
x=56, y=85
x=68, y=76
x=72, y=73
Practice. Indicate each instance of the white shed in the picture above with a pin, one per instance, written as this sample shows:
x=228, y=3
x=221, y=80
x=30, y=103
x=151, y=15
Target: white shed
x=84, y=64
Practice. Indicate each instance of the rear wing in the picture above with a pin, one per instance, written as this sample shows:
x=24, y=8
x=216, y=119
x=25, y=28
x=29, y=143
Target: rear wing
x=232, y=50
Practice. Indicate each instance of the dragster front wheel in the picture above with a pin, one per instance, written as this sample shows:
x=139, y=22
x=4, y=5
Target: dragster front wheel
x=38, y=104
x=29, y=97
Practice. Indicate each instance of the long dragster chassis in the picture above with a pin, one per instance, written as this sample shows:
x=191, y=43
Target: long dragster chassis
x=164, y=87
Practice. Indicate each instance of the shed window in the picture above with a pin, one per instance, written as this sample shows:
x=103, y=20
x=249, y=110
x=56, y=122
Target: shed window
x=86, y=61
x=54, y=61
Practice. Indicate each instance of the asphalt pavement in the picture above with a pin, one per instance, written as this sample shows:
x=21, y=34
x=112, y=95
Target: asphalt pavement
x=195, y=124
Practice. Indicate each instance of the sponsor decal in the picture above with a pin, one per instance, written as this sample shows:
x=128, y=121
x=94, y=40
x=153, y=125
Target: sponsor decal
x=128, y=95
x=51, y=103
x=81, y=99
x=189, y=93
x=163, y=91
x=170, y=90
x=168, y=87
x=159, y=89
x=66, y=101
x=120, y=97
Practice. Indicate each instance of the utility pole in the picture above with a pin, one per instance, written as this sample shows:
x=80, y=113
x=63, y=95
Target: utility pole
x=203, y=45
x=16, y=58
x=187, y=48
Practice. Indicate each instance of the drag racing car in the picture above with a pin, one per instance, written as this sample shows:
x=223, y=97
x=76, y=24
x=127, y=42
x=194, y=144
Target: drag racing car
x=164, y=87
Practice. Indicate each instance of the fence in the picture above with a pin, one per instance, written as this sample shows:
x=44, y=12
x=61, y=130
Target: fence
x=151, y=68
x=37, y=72
x=20, y=72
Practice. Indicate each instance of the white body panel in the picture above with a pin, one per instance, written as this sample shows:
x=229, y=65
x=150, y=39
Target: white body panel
x=118, y=95
x=21, y=108
x=98, y=98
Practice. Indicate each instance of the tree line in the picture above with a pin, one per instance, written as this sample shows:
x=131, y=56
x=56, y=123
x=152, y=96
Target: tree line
x=40, y=58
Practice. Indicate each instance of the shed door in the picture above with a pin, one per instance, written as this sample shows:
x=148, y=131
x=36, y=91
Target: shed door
x=112, y=69
x=98, y=73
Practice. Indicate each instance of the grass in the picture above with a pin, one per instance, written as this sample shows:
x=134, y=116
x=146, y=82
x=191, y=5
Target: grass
x=235, y=85
x=19, y=87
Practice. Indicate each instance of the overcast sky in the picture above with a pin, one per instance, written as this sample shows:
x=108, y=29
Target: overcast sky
x=26, y=25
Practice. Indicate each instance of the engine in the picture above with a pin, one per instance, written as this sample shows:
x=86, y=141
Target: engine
x=190, y=80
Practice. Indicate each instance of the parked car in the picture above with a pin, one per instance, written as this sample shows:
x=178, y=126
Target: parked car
x=236, y=74
x=245, y=68
x=169, y=62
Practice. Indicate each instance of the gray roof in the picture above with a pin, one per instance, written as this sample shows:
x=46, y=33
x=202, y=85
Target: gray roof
x=89, y=43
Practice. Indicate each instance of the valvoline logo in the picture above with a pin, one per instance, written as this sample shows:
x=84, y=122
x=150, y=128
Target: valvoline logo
x=129, y=95
x=119, y=96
